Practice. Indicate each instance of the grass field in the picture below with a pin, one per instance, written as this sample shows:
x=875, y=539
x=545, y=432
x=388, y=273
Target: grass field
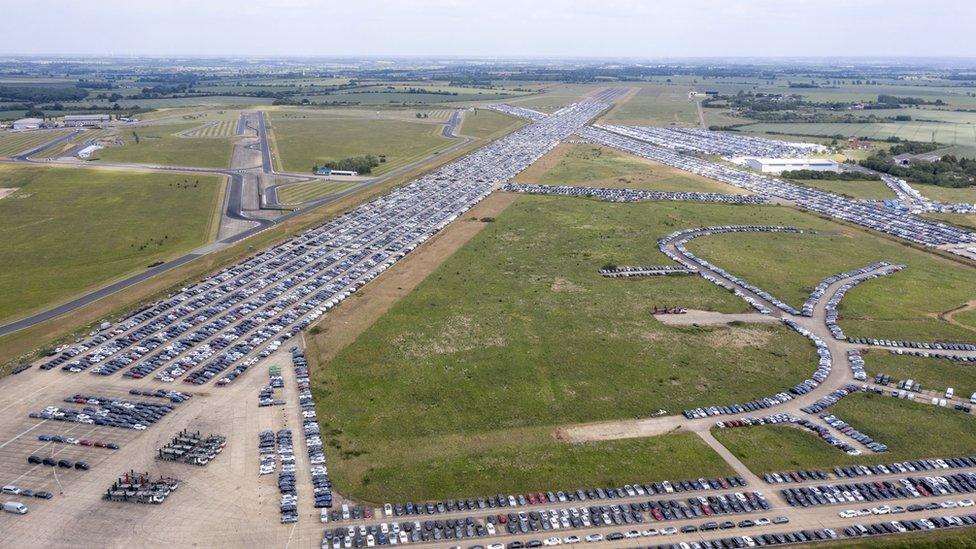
x=964, y=538
x=525, y=349
x=103, y=135
x=901, y=306
x=932, y=373
x=911, y=431
x=66, y=230
x=161, y=144
x=312, y=190
x=12, y=143
x=597, y=166
x=222, y=128
x=947, y=194
x=865, y=190
x=656, y=105
x=554, y=97
x=966, y=221
x=925, y=131
x=304, y=140
x=485, y=124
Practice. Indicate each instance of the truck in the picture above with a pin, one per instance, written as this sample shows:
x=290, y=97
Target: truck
x=15, y=507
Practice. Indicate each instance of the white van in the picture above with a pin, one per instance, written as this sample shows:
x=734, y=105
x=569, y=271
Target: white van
x=15, y=507
x=972, y=399
x=949, y=392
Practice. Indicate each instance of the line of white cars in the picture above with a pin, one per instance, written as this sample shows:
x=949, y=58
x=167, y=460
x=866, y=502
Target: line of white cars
x=218, y=328
x=632, y=195
x=889, y=510
x=864, y=214
x=702, y=141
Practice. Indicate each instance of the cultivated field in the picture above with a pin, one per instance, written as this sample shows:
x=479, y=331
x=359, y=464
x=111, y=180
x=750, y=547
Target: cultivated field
x=901, y=306
x=918, y=130
x=162, y=144
x=528, y=350
x=598, y=166
x=911, y=431
x=67, y=230
x=306, y=138
x=312, y=190
x=13, y=143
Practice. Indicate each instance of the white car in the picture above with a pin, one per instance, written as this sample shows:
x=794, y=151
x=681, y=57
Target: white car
x=549, y=542
x=496, y=546
x=594, y=537
x=570, y=540
x=966, y=503
x=847, y=513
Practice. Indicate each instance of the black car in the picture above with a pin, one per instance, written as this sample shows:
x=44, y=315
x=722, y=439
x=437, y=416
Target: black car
x=49, y=461
x=81, y=465
x=65, y=464
x=43, y=495
x=34, y=459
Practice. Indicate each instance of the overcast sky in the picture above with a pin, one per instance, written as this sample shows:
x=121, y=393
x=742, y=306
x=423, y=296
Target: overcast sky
x=566, y=28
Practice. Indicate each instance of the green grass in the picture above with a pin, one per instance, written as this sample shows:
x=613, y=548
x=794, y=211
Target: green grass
x=554, y=96
x=939, y=132
x=597, y=166
x=304, y=192
x=901, y=306
x=308, y=138
x=432, y=469
x=911, y=430
x=932, y=373
x=12, y=143
x=657, y=105
x=517, y=332
x=160, y=144
x=487, y=124
x=864, y=190
x=963, y=538
x=947, y=194
x=66, y=230
x=966, y=221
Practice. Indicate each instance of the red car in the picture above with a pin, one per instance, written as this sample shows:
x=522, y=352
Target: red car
x=502, y=519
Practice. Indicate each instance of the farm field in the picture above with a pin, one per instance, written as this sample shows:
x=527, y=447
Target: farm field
x=527, y=350
x=304, y=140
x=12, y=143
x=312, y=190
x=222, y=128
x=864, y=190
x=67, y=230
x=597, y=166
x=485, y=124
x=161, y=144
x=656, y=105
x=911, y=430
x=933, y=373
x=900, y=306
x=939, y=132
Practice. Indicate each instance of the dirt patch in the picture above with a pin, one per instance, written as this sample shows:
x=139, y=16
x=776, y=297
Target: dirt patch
x=950, y=315
x=7, y=191
x=711, y=318
x=738, y=338
x=563, y=285
x=459, y=333
x=344, y=324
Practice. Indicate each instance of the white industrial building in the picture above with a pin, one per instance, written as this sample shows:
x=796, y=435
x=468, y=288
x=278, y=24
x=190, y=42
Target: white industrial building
x=83, y=120
x=28, y=124
x=779, y=165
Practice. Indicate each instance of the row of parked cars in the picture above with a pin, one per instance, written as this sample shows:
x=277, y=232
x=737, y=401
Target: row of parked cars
x=555, y=519
x=927, y=354
x=266, y=396
x=845, y=428
x=14, y=490
x=831, y=398
x=109, y=412
x=911, y=466
x=321, y=483
x=624, y=271
x=633, y=195
x=802, y=475
x=864, y=214
x=35, y=459
x=287, y=486
x=542, y=498
x=940, y=346
x=267, y=451
x=832, y=313
x=909, y=525
x=820, y=430
x=880, y=490
x=726, y=144
x=218, y=328
x=78, y=441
